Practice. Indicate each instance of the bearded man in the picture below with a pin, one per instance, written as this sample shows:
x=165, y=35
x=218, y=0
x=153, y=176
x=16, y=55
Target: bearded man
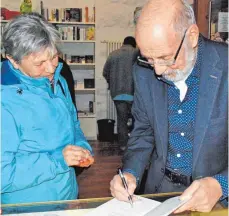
x=180, y=109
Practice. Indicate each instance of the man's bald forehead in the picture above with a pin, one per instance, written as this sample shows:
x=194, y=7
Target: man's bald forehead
x=161, y=11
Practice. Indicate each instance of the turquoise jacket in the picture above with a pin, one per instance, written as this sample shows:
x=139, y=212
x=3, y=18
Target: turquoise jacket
x=37, y=124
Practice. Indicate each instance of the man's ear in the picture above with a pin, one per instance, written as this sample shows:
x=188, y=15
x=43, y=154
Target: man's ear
x=193, y=34
x=13, y=62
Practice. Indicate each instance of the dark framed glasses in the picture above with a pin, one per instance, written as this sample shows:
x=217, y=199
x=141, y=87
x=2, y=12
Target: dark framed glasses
x=143, y=61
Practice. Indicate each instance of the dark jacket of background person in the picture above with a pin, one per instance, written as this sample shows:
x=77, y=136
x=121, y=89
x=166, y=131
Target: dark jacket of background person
x=67, y=74
x=118, y=70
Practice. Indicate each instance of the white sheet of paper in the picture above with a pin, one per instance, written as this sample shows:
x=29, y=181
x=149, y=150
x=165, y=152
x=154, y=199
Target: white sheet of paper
x=142, y=207
x=167, y=207
x=119, y=208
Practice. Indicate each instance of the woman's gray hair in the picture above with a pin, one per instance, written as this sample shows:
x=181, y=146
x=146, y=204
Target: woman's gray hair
x=27, y=34
x=183, y=17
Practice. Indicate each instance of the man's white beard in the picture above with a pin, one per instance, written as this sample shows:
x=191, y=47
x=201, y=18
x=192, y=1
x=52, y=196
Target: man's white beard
x=176, y=75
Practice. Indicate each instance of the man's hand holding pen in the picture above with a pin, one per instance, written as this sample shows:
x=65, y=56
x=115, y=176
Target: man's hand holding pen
x=126, y=187
x=118, y=190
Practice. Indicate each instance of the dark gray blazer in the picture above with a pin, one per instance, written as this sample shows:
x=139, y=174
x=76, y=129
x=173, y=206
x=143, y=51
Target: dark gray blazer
x=148, y=144
x=118, y=71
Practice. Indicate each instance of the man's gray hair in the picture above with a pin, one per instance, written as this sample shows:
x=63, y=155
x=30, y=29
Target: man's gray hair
x=137, y=13
x=184, y=17
x=27, y=34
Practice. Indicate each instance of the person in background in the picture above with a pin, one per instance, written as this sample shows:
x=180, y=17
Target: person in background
x=180, y=109
x=41, y=138
x=118, y=73
x=67, y=74
x=137, y=13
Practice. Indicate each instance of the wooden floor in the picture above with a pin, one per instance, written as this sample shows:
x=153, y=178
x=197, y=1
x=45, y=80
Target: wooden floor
x=95, y=180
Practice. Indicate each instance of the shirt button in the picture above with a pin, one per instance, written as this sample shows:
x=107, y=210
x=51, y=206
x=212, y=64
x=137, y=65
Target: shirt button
x=179, y=111
x=162, y=170
x=182, y=134
x=159, y=78
x=178, y=155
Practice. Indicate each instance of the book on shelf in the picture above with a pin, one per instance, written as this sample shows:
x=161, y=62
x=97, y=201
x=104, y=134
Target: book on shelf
x=75, y=32
x=90, y=33
x=68, y=14
x=8, y=14
x=88, y=111
x=80, y=59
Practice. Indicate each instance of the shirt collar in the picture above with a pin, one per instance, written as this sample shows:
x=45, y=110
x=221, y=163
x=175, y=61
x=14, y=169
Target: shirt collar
x=195, y=72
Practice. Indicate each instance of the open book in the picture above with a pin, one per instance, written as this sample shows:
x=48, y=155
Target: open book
x=141, y=207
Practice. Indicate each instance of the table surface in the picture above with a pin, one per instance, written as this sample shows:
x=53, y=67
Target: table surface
x=93, y=203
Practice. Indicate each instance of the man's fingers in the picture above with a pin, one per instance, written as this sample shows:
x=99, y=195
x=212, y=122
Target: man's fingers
x=117, y=189
x=131, y=188
x=187, y=206
x=190, y=190
x=191, y=194
x=120, y=196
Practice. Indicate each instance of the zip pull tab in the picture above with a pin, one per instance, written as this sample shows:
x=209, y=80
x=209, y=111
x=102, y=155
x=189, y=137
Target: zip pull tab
x=52, y=85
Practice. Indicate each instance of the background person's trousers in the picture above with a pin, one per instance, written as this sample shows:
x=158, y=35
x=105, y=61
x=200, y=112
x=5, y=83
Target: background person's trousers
x=123, y=113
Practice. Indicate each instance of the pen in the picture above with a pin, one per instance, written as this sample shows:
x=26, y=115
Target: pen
x=125, y=186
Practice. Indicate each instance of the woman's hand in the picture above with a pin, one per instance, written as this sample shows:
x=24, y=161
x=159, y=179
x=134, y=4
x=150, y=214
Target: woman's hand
x=75, y=155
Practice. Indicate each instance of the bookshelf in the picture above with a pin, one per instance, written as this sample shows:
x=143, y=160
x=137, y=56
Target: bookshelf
x=63, y=23
x=78, y=41
x=73, y=23
x=75, y=52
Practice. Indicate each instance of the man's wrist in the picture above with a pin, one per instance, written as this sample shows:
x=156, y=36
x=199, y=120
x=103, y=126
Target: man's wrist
x=133, y=173
x=223, y=181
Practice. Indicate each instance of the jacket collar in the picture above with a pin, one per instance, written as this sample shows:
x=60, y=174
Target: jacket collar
x=12, y=76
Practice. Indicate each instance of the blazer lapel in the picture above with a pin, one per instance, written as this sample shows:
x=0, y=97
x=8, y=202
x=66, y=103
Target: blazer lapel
x=210, y=75
x=160, y=103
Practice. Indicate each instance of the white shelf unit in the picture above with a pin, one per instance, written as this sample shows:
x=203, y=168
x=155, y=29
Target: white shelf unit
x=85, y=115
x=78, y=41
x=63, y=23
x=82, y=70
x=82, y=64
x=85, y=90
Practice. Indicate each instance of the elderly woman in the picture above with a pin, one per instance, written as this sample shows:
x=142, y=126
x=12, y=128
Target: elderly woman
x=41, y=136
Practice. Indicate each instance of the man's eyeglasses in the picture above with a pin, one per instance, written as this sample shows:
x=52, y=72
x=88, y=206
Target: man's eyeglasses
x=163, y=62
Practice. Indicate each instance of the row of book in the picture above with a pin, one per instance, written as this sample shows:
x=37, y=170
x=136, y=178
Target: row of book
x=76, y=32
x=82, y=59
x=68, y=14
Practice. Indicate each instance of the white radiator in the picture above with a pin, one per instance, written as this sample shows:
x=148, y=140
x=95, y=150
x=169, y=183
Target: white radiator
x=111, y=110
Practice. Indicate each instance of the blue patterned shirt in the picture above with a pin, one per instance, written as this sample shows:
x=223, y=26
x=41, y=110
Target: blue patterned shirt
x=181, y=116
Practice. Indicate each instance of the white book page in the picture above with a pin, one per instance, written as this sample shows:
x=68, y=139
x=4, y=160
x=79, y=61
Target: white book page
x=142, y=207
x=115, y=207
x=167, y=207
